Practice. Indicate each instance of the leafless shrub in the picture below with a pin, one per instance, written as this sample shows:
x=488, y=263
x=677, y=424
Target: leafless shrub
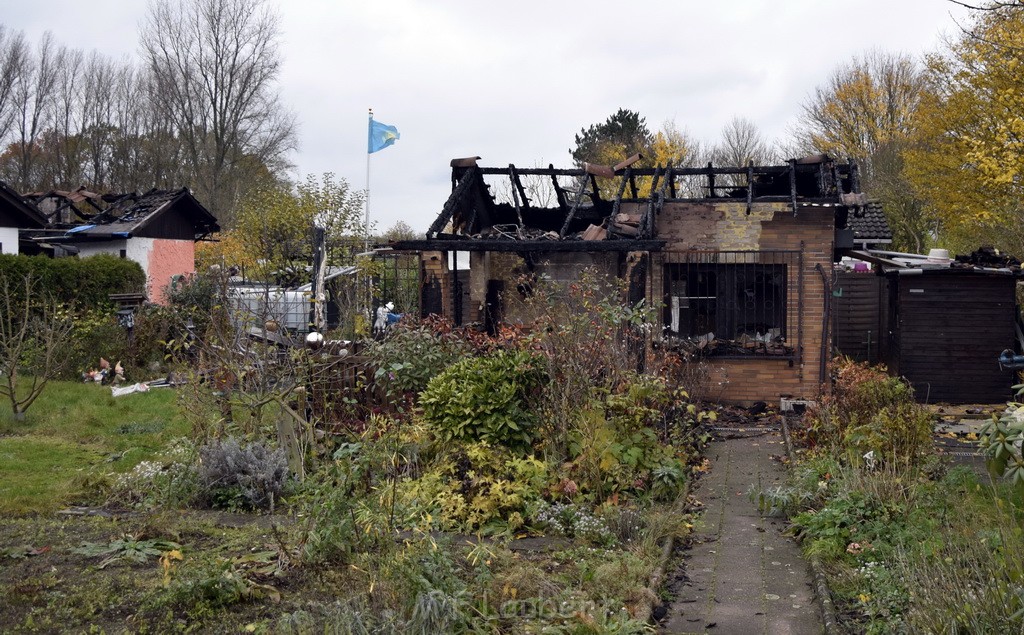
x=34, y=334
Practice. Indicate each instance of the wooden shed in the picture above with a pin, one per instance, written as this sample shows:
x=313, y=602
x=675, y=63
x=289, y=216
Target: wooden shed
x=947, y=329
x=940, y=328
x=860, y=315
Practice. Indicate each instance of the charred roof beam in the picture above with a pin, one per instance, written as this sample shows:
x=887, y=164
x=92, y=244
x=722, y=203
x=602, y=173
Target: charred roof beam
x=517, y=184
x=454, y=201
x=627, y=176
x=559, y=193
x=575, y=206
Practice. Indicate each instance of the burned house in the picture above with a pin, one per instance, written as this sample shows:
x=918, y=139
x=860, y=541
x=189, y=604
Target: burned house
x=737, y=258
x=16, y=214
x=157, y=229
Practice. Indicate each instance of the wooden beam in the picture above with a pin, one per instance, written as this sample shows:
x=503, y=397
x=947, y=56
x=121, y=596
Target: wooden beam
x=518, y=184
x=750, y=187
x=453, y=202
x=792, y=184
x=622, y=188
x=476, y=244
x=559, y=194
x=575, y=206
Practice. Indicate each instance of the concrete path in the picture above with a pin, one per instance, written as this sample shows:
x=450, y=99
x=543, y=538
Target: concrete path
x=741, y=575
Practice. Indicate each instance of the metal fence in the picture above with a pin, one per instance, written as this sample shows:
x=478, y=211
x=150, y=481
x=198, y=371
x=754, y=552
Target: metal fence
x=732, y=296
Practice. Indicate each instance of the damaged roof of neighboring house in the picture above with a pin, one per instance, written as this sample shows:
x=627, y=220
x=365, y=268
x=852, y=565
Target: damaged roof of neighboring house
x=613, y=208
x=15, y=211
x=83, y=215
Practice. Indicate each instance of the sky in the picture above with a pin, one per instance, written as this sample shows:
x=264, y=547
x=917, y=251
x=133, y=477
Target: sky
x=513, y=82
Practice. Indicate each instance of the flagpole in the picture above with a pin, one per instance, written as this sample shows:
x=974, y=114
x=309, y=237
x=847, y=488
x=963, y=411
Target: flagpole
x=366, y=225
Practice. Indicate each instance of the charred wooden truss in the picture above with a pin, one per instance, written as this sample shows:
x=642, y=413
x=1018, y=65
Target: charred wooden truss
x=589, y=202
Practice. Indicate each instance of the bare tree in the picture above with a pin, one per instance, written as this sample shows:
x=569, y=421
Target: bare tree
x=33, y=339
x=742, y=142
x=13, y=54
x=32, y=103
x=214, y=65
x=866, y=111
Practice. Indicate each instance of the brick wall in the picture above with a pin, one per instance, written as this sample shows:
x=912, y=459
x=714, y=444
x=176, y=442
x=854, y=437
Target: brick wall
x=435, y=272
x=770, y=226
x=486, y=266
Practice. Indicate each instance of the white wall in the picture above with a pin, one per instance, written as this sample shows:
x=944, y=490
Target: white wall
x=9, y=240
x=112, y=247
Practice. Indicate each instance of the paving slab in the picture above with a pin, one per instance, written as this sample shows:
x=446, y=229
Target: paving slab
x=741, y=575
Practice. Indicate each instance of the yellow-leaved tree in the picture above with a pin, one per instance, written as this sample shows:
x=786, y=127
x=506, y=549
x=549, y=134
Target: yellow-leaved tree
x=272, y=239
x=967, y=159
x=865, y=111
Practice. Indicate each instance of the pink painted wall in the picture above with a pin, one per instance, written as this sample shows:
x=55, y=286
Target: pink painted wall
x=168, y=258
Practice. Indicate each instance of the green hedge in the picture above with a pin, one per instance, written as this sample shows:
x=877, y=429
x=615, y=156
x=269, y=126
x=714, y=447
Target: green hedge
x=85, y=281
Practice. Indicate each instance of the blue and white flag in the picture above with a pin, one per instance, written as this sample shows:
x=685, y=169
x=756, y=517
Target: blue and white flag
x=381, y=136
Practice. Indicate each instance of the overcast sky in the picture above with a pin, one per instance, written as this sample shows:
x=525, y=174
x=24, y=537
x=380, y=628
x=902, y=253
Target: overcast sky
x=513, y=82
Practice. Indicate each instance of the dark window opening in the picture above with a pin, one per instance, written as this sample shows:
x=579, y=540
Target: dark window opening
x=729, y=302
x=124, y=253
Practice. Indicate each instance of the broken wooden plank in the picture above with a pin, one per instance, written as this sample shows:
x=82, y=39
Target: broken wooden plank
x=598, y=170
x=622, y=165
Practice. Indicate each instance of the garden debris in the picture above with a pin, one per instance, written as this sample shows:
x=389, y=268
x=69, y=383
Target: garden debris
x=120, y=391
x=988, y=257
x=24, y=551
x=85, y=511
x=105, y=374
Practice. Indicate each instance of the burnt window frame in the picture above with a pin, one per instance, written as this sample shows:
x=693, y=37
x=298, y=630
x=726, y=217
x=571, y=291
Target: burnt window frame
x=716, y=280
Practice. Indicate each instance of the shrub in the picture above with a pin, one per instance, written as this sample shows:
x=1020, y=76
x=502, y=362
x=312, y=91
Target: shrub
x=573, y=521
x=871, y=412
x=81, y=281
x=480, y=488
x=486, y=399
x=590, y=339
x=234, y=475
x=1002, y=438
x=409, y=357
x=95, y=334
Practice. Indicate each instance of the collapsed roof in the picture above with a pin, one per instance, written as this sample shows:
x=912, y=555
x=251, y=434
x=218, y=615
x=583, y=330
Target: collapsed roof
x=613, y=208
x=83, y=215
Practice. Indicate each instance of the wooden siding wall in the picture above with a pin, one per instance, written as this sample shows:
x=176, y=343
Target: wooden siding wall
x=949, y=330
x=172, y=223
x=860, y=316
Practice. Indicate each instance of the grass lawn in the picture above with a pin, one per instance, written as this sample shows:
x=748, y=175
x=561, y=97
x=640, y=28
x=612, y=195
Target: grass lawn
x=70, y=429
